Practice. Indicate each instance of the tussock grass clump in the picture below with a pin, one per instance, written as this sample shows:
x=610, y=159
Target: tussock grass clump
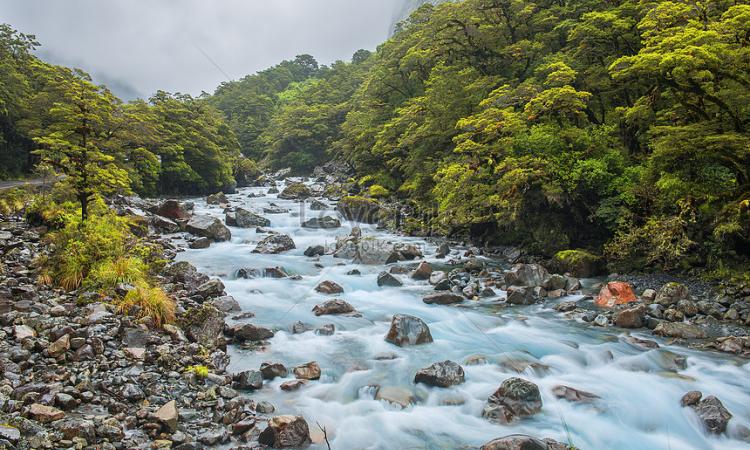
x=147, y=302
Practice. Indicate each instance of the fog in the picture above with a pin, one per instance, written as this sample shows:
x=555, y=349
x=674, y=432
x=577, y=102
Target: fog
x=139, y=46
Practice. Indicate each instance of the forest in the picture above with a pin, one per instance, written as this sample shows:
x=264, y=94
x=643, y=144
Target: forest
x=614, y=128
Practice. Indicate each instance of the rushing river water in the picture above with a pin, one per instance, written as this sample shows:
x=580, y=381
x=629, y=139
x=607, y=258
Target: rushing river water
x=640, y=390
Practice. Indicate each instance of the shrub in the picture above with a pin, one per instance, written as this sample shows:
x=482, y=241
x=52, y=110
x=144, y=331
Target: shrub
x=80, y=247
x=123, y=269
x=13, y=201
x=148, y=302
x=662, y=242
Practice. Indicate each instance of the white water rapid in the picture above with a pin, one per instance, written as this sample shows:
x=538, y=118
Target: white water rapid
x=640, y=390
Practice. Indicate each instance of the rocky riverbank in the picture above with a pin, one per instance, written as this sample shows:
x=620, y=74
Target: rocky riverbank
x=76, y=373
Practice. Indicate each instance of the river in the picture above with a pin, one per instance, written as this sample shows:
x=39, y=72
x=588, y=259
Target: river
x=640, y=390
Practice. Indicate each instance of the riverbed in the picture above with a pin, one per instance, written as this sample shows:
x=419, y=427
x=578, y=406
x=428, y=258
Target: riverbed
x=640, y=391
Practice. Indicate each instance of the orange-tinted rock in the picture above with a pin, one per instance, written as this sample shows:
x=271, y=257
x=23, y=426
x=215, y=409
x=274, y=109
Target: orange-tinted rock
x=615, y=293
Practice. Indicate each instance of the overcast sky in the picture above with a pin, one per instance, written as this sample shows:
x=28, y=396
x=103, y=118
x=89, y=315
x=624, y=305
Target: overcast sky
x=139, y=46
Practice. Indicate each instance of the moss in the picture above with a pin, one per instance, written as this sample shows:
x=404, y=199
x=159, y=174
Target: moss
x=199, y=371
x=378, y=191
x=360, y=209
x=580, y=263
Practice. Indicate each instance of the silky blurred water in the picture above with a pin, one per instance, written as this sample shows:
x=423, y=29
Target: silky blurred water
x=640, y=391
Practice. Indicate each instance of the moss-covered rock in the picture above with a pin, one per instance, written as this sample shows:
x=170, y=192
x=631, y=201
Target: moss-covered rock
x=360, y=209
x=295, y=191
x=579, y=263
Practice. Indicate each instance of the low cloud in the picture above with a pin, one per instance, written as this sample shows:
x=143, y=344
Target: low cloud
x=140, y=46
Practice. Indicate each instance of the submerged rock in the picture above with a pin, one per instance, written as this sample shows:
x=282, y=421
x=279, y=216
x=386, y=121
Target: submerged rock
x=516, y=398
x=442, y=298
x=441, y=374
x=326, y=222
x=573, y=395
x=408, y=330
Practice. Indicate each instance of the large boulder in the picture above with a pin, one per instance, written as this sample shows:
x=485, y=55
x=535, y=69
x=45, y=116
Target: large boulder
x=408, y=330
x=615, y=293
x=520, y=295
x=386, y=279
x=250, y=332
x=422, y=272
x=315, y=250
x=530, y=275
x=168, y=415
x=45, y=414
x=672, y=293
x=359, y=209
x=271, y=370
x=523, y=442
x=634, y=317
x=244, y=218
x=275, y=243
x=173, y=209
x=441, y=374
x=208, y=227
x=211, y=288
x=164, y=224
x=286, y=432
x=317, y=205
x=515, y=399
x=295, y=191
x=712, y=413
x=248, y=380
x=336, y=306
x=578, y=263
x=217, y=199
x=308, y=371
x=680, y=330
x=204, y=325
x=329, y=287
x=326, y=222
x=573, y=395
